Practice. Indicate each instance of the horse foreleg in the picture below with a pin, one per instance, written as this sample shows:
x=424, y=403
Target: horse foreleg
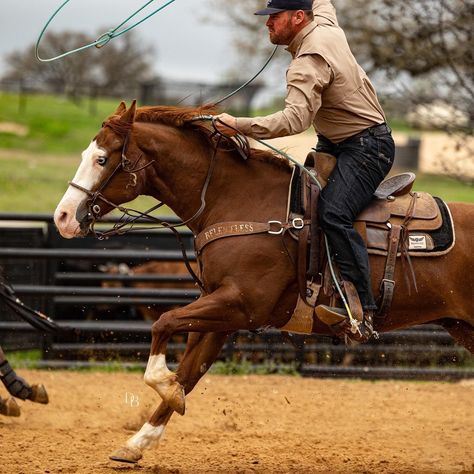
x=217, y=312
x=201, y=351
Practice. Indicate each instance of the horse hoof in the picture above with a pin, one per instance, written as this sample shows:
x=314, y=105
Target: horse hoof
x=39, y=394
x=177, y=400
x=126, y=454
x=9, y=407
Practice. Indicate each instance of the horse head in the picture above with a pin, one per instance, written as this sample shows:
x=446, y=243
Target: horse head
x=107, y=176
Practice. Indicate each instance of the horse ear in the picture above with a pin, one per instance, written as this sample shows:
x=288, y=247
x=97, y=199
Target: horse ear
x=120, y=109
x=129, y=115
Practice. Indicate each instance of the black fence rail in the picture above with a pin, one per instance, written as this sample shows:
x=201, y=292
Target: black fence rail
x=64, y=279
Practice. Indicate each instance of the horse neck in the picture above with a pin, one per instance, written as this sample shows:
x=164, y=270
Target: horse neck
x=238, y=190
x=179, y=168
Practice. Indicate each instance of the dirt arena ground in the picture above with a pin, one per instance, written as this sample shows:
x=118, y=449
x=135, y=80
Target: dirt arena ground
x=245, y=424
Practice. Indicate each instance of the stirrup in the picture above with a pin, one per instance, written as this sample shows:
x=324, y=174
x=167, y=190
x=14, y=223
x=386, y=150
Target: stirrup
x=330, y=315
x=338, y=320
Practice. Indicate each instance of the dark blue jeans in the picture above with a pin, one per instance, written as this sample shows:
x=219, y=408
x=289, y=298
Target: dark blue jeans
x=362, y=164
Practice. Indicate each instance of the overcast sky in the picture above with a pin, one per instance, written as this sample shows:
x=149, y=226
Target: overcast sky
x=186, y=47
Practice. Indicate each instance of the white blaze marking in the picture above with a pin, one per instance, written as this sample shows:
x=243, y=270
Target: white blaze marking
x=87, y=175
x=148, y=437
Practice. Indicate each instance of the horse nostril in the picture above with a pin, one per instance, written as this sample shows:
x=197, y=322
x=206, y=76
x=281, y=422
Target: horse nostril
x=62, y=218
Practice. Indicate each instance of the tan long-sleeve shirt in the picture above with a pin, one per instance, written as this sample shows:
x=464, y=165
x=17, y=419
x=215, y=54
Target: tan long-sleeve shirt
x=326, y=87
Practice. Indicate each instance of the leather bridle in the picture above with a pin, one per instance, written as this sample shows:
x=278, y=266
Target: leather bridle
x=125, y=225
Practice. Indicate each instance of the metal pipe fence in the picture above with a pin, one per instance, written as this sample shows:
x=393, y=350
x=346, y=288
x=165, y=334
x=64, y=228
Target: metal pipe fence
x=62, y=278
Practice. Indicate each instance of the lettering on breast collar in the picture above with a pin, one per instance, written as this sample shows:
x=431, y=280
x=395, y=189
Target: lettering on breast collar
x=221, y=230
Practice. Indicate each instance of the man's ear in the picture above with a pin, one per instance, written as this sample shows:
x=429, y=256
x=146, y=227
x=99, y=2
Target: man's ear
x=299, y=17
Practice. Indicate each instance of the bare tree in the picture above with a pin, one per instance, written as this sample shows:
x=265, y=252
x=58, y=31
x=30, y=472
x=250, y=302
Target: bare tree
x=120, y=64
x=430, y=42
x=248, y=31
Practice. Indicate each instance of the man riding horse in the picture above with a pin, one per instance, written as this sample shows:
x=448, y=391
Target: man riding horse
x=328, y=89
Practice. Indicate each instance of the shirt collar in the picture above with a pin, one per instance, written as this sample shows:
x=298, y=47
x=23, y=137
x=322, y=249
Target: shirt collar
x=298, y=39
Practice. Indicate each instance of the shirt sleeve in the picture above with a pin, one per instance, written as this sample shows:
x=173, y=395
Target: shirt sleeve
x=307, y=77
x=324, y=12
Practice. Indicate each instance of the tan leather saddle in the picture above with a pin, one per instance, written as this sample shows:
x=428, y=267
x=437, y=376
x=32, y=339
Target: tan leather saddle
x=394, y=203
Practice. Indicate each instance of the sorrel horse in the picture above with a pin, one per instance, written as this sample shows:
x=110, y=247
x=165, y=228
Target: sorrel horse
x=249, y=281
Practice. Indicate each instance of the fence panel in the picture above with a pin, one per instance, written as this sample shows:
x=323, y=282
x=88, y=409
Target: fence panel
x=63, y=278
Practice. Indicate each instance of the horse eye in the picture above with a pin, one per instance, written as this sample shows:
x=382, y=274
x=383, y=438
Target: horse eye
x=102, y=160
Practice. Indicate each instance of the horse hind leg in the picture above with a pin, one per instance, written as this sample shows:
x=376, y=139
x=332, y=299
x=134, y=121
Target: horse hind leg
x=461, y=331
x=201, y=351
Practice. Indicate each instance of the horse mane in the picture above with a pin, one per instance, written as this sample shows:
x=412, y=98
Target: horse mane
x=181, y=117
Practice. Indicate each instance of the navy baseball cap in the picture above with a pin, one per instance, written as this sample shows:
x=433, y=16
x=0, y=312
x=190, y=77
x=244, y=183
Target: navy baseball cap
x=276, y=6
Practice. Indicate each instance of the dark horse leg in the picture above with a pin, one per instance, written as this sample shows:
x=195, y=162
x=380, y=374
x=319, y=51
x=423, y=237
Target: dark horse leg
x=17, y=386
x=461, y=332
x=201, y=351
x=8, y=407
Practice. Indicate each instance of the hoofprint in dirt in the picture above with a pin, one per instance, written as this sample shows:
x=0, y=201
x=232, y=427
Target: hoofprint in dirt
x=264, y=424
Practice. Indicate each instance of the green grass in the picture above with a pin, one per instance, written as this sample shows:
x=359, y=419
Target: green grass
x=55, y=124
x=449, y=189
x=35, y=169
x=24, y=359
x=246, y=368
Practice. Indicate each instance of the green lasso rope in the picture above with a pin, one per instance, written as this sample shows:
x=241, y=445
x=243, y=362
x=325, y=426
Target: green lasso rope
x=103, y=39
